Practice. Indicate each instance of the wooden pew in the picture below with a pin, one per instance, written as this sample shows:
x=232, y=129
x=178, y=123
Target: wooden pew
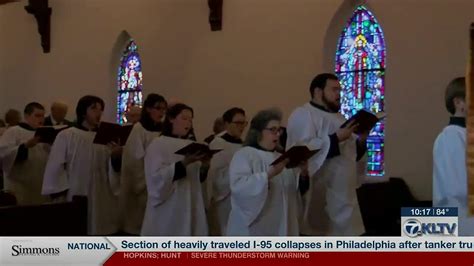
x=380, y=205
x=54, y=219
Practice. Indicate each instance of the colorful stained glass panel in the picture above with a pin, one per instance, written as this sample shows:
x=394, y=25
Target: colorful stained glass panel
x=360, y=66
x=129, y=82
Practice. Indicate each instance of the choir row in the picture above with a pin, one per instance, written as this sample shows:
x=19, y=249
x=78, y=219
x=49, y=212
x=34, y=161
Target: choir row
x=145, y=188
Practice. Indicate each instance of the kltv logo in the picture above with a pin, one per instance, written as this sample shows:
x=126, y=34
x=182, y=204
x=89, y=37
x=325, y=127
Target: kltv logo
x=415, y=228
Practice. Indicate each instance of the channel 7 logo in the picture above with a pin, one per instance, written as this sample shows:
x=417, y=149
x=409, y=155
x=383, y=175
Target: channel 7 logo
x=415, y=228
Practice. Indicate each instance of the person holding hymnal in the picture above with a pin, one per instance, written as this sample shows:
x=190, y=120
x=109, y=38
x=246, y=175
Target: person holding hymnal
x=24, y=156
x=264, y=198
x=133, y=194
x=175, y=205
x=217, y=192
x=78, y=167
x=333, y=170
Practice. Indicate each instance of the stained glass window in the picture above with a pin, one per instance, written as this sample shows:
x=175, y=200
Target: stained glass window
x=360, y=66
x=129, y=82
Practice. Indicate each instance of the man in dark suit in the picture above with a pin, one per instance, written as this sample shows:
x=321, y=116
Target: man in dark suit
x=57, y=115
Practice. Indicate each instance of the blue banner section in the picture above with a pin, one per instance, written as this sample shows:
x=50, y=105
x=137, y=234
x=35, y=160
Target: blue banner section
x=429, y=212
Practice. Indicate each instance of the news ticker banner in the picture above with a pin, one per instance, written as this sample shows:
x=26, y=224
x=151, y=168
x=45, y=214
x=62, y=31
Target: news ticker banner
x=429, y=235
x=174, y=250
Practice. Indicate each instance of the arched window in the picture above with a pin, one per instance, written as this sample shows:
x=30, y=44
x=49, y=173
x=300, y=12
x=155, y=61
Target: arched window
x=129, y=82
x=360, y=66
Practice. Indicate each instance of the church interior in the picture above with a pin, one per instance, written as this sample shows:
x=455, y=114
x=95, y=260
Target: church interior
x=213, y=55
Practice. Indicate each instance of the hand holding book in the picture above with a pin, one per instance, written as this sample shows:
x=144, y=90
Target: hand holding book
x=364, y=120
x=197, y=149
x=48, y=134
x=112, y=133
x=296, y=156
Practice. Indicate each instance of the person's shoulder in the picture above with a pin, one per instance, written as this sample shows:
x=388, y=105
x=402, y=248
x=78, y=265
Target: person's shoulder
x=301, y=108
x=15, y=130
x=166, y=140
x=246, y=151
x=451, y=133
x=299, y=112
x=68, y=132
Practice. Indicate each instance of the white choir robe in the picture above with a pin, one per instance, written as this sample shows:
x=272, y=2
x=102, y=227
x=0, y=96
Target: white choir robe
x=133, y=194
x=262, y=207
x=450, y=177
x=83, y=168
x=174, y=207
x=218, y=185
x=25, y=178
x=330, y=205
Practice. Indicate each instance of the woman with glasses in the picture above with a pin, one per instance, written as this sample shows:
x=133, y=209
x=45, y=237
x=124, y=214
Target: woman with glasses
x=218, y=190
x=175, y=205
x=265, y=199
x=133, y=193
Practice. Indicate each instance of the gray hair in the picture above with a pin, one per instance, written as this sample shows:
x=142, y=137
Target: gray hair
x=259, y=123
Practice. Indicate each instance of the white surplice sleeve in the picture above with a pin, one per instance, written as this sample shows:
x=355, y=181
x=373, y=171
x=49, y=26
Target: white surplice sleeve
x=55, y=176
x=8, y=149
x=449, y=170
x=249, y=189
x=302, y=130
x=159, y=174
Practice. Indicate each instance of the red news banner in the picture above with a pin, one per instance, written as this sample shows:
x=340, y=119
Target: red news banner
x=291, y=258
x=292, y=251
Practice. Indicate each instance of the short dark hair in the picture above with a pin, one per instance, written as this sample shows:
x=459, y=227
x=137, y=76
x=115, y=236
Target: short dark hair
x=30, y=108
x=84, y=103
x=151, y=101
x=12, y=117
x=172, y=113
x=320, y=82
x=456, y=89
x=229, y=114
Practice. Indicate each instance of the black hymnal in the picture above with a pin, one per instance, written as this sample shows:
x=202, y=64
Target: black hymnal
x=365, y=120
x=48, y=134
x=297, y=155
x=195, y=148
x=110, y=132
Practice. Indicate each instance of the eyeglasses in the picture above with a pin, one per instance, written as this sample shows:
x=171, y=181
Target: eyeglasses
x=159, y=108
x=240, y=123
x=275, y=130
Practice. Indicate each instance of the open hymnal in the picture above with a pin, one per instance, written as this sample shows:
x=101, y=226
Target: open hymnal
x=110, y=132
x=296, y=155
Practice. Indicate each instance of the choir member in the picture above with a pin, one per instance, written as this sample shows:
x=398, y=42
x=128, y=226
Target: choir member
x=449, y=158
x=133, y=194
x=218, y=175
x=24, y=158
x=331, y=206
x=12, y=117
x=133, y=115
x=265, y=199
x=218, y=128
x=175, y=206
x=58, y=115
x=77, y=166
